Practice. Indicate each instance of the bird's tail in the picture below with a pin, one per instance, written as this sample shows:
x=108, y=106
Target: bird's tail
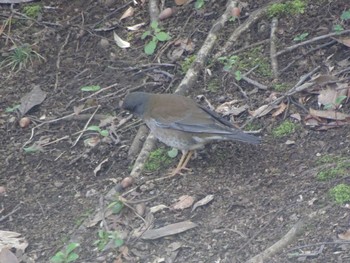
x=243, y=137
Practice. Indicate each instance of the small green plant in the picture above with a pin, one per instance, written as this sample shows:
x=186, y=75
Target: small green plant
x=213, y=85
x=301, y=37
x=67, y=255
x=158, y=158
x=116, y=206
x=280, y=87
x=345, y=15
x=228, y=62
x=157, y=35
x=95, y=128
x=340, y=193
x=186, y=64
x=199, y=4
x=252, y=127
x=338, y=28
x=285, y=128
x=289, y=8
x=13, y=108
x=104, y=237
x=19, y=57
x=32, y=11
x=340, y=168
x=338, y=101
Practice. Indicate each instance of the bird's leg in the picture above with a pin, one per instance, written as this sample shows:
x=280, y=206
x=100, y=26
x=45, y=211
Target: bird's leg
x=186, y=155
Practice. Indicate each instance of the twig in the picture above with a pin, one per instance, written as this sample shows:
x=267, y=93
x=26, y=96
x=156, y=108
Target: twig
x=307, y=53
x=273, y=41
x=58, y=62
x=17, y=207
x=250, y=46
x=86, y=125
x=99, y=91
x=288, y=49
x=193, y=72
x=254, y=83
x=153, y=10
x=259, y=232
x=280, y=244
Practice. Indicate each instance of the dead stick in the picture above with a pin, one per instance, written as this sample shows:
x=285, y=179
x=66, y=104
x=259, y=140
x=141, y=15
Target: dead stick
x=273, y=41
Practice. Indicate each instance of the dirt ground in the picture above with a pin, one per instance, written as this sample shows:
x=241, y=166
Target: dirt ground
x=259, y=192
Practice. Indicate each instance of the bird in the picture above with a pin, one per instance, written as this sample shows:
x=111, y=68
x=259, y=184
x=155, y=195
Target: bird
x=181, y=123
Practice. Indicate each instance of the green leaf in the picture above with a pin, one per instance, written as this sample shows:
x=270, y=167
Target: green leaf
x=154, y=25
x=162, y=36
x=33, y=149
x=301, y=37
x=146, y=34
x=12, y=109
x=94, y=128
x=116, y=207
x=104, y=133
x=173, y=153
x=118, y=242
x=340, y=99
x=71, y=247
x=345, y=15
x=150, y=47
x=338, y=28
x=58, y=258
x=238, y=75
x=72, y=257
x=199, y=4
x=90, y=88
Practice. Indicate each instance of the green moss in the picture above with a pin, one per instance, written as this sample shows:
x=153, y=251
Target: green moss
x=341, y=193
x=186, y=64
x=294, y=7
x=284, y=129
x=252, y=127
x=249, y=59
x=341, y=167
x=32, y=11
x=157, y=159
x=213, y=85
x=281, y=87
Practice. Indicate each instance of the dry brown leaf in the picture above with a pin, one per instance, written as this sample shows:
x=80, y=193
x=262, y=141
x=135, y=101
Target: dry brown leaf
x=281, y=108
x=157, y=208
x=6, y=256
x=329, y=96
x=136, y=27
x=228, y=108
x=128, y=12
x=78, y=109
x=185, y=201
x=168, y=230
x=181, y=2
x=343, y=40
x=324, y=79
x=203, y=201
x=9, y=239
x=329, y=114
x=345, y=235
x=261, y=111
x=166, y=13
x=35, y=97
x=120, y=42
x=98, y=168
x=296, y=116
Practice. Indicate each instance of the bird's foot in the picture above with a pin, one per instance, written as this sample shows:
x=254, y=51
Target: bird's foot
x=179, y=171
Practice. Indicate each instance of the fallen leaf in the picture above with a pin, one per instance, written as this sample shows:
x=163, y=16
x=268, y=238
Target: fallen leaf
x=261, y=111
x=128, y=12
x=228, y=108
x=98, y=168
x=343, y=40
x=168, y=230
x=203, y=201
x=185, y=201
x=181, y=2
x=330, y=97
x=157, y=208
x=329, y=114
x=296, y=116
x=324, y=79
x=345, y=235
x=136, y=27
x=6, y=256
x=281, y=108
x=120, y=42
x=9, y=239
x=78, y=109
x=33, y=98
x=166, y=13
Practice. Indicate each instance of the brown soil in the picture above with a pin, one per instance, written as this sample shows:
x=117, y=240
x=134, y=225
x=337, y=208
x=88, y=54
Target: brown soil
x=260, y=192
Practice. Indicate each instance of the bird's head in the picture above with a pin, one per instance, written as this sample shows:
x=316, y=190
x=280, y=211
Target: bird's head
x=136, y=102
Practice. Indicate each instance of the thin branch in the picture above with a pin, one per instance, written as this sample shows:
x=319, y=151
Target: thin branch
x=273, y=41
